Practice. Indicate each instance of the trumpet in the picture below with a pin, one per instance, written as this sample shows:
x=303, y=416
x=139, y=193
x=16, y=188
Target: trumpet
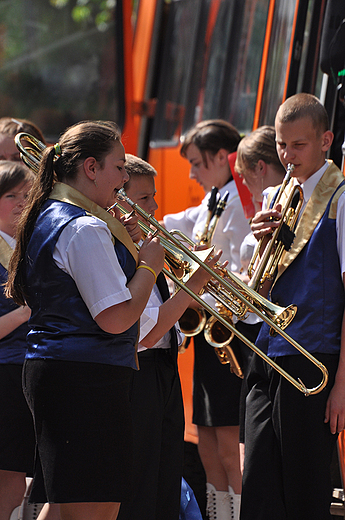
x=224, y=286
x=263, y=269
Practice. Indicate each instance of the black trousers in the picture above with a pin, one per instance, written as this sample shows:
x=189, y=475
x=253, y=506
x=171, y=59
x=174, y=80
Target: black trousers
x=288, y=447
x=158, y=422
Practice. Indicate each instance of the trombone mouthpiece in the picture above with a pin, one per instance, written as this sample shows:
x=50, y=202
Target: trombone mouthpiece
x=121, y=194
x=290, y=167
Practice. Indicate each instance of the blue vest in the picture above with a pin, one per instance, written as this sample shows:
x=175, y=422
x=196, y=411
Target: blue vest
x=313, y=281
x=13, y=346
x=62, y=327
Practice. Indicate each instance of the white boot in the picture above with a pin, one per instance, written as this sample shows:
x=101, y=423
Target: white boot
x=29, y=511
x=235, y=504
x=15, y=514
x=218, y=504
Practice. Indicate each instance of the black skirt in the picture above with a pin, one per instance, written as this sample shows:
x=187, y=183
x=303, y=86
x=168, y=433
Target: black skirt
x=17, y=437
x=83, y=428
x=216, y=391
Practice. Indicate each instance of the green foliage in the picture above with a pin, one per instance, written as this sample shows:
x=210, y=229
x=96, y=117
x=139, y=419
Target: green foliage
x=85, y=12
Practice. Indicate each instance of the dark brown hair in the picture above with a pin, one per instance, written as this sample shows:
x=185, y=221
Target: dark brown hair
x=211, y=136
x=13, y=173
x=11, y=127
x=82, y=140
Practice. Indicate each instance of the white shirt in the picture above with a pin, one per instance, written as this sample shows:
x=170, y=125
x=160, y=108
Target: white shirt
x=85, y=251
x=231, y=229
x=149, y=318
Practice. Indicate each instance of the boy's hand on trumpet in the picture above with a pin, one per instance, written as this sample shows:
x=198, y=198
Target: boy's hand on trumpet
x=265, y=222
x=130, y=221
x=200, y=277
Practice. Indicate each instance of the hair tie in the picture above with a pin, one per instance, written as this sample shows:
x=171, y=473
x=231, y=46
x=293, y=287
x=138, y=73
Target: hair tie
x=57, y=149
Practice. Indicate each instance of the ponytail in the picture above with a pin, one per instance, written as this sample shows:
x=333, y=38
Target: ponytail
x=39, y=193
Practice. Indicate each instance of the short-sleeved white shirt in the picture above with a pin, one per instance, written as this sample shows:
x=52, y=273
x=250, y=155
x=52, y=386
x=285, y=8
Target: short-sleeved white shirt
x=85, y=251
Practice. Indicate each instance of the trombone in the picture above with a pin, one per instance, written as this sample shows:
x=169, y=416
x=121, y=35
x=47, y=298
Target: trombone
x=238, y=293
x=194, y=319
x=235, y=294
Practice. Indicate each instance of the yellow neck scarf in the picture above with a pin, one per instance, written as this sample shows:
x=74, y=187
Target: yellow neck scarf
x=66, y=193
x=5, y=253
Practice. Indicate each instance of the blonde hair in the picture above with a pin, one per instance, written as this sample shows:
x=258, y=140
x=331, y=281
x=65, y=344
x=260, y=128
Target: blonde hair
x=302, y=106
x=259, y=145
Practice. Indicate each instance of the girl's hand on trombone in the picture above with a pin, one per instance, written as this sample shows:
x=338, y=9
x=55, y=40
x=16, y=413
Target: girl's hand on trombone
x=265, y=222
x=152, y=253
x=130, y=221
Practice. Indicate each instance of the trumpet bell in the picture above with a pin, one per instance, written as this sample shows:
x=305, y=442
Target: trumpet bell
x=216, y=334
x=220, y=337
x=283, y=318
x=192, y=321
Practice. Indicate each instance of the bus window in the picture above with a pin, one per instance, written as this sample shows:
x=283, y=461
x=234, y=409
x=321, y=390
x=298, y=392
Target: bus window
x=177, y=71
x=234, y=62
x=210, y=65
x=277, y=60
x=59, y=63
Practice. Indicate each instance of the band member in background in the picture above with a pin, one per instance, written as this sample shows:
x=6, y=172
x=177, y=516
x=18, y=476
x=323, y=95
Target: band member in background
x=9, y=128
x=17, y=437
x=206, y=147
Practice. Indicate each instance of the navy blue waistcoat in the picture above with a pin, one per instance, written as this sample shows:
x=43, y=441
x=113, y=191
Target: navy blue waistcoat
x=62, y=327
x=12, y=346
x=313, y=282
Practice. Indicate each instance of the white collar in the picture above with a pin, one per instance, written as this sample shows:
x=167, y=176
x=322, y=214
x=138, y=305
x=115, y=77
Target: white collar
x=309, y=185
x=10, y=240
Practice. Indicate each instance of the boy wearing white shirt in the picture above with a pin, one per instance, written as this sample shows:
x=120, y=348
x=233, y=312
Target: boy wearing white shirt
x=288, y=436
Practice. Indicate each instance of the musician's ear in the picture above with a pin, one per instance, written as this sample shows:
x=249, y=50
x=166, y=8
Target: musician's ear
x=260, y=168
x=327, y=139
x=222, y=156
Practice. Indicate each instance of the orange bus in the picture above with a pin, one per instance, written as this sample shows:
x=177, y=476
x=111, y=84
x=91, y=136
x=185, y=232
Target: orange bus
x=157, y=67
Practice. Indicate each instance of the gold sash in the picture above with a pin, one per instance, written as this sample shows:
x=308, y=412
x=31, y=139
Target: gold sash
x=5, y=253
x=66, y=193
x=313, y=212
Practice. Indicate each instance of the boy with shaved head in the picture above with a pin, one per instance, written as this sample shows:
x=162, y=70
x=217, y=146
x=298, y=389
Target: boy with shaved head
x=290, y=438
